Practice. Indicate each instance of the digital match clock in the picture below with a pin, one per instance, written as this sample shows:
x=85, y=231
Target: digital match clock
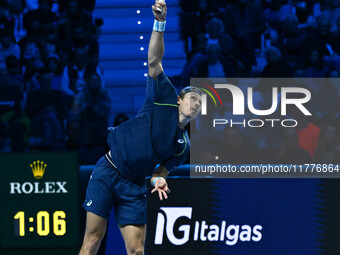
x=39, y=203
x=42, y=220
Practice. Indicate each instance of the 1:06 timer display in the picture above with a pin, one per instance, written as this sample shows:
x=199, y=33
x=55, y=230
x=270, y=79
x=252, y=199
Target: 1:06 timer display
x=39, y=201
x=43, y=223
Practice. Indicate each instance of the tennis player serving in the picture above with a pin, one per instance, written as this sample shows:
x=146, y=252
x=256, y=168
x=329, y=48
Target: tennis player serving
x=155, y=137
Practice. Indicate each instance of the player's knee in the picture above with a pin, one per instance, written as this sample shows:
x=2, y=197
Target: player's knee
x=137, y=251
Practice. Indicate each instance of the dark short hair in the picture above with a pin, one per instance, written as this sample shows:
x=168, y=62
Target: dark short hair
x=190, y=89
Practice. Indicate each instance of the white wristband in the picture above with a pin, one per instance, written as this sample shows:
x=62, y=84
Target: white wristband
x=154, y=181
x=159, y=26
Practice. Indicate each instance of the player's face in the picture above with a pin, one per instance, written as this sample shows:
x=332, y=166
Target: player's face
x=190, y=105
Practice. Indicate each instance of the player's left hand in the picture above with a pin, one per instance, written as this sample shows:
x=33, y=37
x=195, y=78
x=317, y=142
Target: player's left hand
x=162, y=187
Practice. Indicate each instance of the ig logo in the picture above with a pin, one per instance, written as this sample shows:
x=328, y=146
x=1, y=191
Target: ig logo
x=172, y=214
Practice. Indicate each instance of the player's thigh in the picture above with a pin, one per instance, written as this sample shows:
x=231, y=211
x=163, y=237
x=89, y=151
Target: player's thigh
x=134, y=237
x=95, y=227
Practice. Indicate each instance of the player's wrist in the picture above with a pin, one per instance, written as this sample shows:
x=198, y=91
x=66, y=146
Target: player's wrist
x=159, y=26
x=153, y=182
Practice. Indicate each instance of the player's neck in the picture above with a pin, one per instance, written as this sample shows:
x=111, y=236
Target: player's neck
x=183, y=120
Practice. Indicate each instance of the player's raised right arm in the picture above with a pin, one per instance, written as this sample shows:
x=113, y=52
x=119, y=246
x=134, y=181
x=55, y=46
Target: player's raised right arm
x=156, y=45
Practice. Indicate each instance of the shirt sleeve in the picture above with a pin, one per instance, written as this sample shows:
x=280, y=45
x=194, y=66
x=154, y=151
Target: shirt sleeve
x=171, y=163
x=174, y=161
x=161, y=90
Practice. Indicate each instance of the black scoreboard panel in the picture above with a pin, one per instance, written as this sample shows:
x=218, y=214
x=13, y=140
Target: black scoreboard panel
x=39, y=203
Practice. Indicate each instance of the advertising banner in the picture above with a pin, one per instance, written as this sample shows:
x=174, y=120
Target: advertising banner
x=244, y=216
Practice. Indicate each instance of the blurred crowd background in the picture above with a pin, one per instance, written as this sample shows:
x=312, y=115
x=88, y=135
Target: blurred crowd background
x=53, y=96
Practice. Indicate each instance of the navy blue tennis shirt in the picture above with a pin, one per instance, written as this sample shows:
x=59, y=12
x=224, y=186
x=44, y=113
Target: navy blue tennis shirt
x=153, y=136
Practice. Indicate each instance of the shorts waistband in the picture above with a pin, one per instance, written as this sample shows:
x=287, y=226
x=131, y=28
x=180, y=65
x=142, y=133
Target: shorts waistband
x=109, y=159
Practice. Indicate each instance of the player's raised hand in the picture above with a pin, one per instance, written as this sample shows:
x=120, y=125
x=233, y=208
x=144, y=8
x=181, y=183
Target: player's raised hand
x=162, y=187
x=159, y=10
